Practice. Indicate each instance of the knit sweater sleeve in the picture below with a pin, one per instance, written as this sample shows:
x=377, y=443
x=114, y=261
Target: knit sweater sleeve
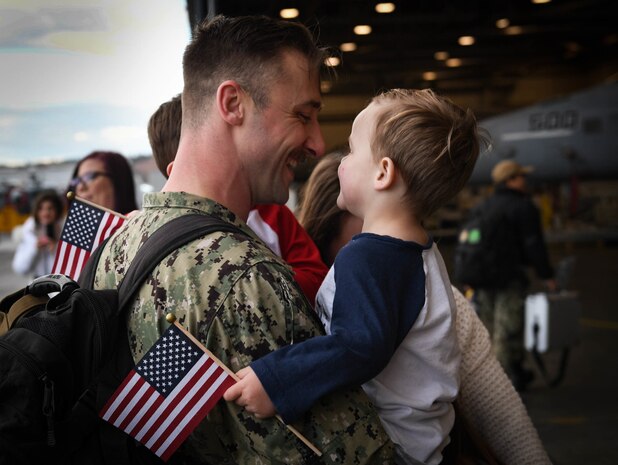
x=487, y=400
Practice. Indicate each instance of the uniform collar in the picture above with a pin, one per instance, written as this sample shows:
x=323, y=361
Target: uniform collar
x=186, y=201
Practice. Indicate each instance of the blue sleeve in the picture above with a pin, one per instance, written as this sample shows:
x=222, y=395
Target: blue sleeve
x=364, y=335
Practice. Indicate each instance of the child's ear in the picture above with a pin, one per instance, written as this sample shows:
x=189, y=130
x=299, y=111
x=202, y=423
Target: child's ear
x=230, y=102
x=386, y=174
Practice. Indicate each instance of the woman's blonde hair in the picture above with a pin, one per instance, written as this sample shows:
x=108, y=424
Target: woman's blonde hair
x=318, y=212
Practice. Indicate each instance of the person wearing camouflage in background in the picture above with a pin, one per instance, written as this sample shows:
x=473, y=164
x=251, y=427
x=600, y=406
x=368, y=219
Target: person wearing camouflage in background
x=250, y=105
x=501, y=306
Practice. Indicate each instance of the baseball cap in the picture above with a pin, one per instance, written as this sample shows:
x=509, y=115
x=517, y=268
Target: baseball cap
x=507, y=169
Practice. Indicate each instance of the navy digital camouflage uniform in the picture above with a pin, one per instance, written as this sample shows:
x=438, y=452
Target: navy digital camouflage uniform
x=502, y=307
x=502, y=312
x=241, y=301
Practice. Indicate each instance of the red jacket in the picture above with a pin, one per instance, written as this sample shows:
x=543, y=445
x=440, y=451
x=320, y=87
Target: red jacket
x=277, y=226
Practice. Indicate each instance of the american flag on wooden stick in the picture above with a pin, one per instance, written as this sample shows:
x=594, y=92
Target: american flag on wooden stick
x=86, y=226
x=168, y=393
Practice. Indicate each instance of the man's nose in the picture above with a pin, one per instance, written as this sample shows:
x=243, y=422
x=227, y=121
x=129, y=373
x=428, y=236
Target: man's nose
x=315, y=142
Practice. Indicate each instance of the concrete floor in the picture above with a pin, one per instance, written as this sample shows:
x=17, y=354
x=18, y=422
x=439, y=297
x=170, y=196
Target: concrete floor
x=578, y=419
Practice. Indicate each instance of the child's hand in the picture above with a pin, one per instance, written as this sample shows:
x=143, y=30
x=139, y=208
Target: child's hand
x=250, y=394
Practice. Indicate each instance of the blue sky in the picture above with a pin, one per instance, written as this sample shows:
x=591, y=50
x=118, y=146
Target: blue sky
x=81, y=75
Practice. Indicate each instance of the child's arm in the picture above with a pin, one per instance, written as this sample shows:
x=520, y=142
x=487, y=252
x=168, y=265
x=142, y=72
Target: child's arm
x=250, y=394
x=365, y=333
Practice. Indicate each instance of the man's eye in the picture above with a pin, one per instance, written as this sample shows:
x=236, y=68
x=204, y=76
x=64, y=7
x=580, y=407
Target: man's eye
x=304, y=118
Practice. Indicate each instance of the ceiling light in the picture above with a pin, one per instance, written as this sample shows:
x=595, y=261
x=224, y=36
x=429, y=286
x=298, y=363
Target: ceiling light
x=440, y=56
x=453, y=62
x=466, y=40
x=514, y=30
x=573, y=47
x=385, y=7
x=502, y=23
x=538, y=2
x=332, y=61
x=429, y=76
x=362, y=30
x=610, y=39
x=348, y=47
x=326, y=86
x=289, y=13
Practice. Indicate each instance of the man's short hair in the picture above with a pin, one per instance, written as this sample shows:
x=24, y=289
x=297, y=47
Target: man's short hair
x=246, y=49
x=164, y=132
x=433, y=143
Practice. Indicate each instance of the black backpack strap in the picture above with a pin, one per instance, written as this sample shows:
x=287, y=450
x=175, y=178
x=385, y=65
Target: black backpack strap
x=116, y=446
x=169, y=237
x=86, y=277
x=164, y=241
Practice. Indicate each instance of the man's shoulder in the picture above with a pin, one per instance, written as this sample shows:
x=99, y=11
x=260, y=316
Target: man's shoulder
x=227, y=253
x=218, y=245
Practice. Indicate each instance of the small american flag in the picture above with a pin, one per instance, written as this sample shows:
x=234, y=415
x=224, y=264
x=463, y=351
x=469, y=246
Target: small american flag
x=168, y=393
x=84, y=230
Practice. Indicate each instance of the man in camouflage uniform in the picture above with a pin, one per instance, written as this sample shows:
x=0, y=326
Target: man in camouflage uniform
x=250, y=106
x=501, y=307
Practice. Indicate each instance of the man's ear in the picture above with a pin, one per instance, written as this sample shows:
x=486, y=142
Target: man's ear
x=230, y=102
x=169, y=167
x=386, y=174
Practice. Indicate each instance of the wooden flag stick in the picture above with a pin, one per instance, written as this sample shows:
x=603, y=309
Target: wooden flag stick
x=171, y=318
x=71, y=196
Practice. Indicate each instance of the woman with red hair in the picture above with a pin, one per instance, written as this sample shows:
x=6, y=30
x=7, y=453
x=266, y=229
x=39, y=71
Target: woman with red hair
x=106, y=179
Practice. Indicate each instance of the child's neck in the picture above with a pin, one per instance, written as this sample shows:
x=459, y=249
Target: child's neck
x=397, y=225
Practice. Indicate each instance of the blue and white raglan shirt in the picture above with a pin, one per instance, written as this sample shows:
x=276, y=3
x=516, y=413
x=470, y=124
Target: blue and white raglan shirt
x=388, y=311
x=414, y=392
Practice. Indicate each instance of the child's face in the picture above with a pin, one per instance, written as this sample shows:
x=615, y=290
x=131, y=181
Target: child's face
x=357, y=169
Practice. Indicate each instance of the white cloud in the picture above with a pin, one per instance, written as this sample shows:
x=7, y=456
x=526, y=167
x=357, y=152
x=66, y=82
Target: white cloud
x=121, y=133
x=81, y=136
x=7, y=122
x=136, y=61
x=125, y=139
x=64, y=55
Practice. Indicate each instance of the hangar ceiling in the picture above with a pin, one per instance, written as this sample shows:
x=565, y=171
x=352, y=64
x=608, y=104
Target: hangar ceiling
x=547, y=50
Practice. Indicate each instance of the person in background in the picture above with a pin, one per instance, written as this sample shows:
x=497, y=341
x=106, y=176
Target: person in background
x=39, y=236
x=275, y=224
x=386, y=303
x=106, y=179
x=501, y=305
x=487, y=403
x=250, y=107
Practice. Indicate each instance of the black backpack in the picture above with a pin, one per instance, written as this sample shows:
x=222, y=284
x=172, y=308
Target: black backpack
x=485, y=247
x=62, y=358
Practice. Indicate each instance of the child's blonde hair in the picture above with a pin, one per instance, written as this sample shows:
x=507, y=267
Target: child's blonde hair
x=433, y=143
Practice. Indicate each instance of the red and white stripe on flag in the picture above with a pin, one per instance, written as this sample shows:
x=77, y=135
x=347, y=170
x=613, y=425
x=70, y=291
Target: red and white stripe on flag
x=168, y=393
x=84, y=230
